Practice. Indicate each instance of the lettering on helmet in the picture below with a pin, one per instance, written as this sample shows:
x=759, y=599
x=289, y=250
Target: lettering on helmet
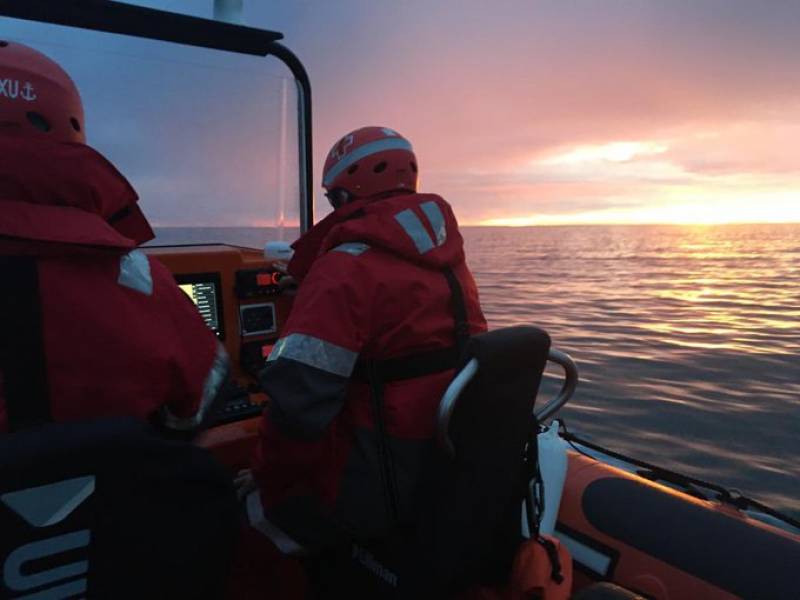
x=342, y=148
x=10, y=88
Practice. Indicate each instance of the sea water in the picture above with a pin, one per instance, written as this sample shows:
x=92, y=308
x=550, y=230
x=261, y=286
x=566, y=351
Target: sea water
x=687, y=337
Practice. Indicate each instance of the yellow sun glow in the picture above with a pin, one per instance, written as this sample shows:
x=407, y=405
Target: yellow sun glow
x=693, y=206
x=613, y=152
x=638, y=182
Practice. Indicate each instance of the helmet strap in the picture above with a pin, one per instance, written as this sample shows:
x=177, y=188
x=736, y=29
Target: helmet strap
x=338, y=197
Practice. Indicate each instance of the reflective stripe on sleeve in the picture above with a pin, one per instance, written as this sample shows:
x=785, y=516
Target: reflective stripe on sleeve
x=415, y=230
x=316, y=353
x=282, y=540
x=354, y=248
x=436, y=218
x=392, y=143
x=211, y=386
x=134, y=272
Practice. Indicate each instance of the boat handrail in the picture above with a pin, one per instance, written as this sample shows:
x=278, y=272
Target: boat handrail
x=155, y=24
x=567, y=388
x=465, y=376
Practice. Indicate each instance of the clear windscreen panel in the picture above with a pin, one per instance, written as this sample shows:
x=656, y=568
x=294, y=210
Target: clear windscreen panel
x=208, y=139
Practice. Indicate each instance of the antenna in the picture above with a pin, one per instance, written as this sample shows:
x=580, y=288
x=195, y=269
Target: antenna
x=229, y=11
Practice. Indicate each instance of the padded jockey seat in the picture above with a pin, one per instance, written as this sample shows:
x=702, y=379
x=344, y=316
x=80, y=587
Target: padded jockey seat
x=107, y=509
x=104, y=508
x=469, y=526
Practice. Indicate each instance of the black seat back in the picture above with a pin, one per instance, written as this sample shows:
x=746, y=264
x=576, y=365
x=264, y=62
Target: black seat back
x=107, y=509
x=470, y=526
x=470, y=502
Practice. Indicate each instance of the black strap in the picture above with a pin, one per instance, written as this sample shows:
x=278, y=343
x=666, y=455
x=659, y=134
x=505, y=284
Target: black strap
x=555, y=561
x=22, y=356
x=459, y=308
x=408, y=367
x=385, y=456
x=123, y=212
x=378, y=373
x=424, y=363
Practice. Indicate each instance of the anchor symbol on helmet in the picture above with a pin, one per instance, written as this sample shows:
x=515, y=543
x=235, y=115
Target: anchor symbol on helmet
x=342, y=147
x=27, y=92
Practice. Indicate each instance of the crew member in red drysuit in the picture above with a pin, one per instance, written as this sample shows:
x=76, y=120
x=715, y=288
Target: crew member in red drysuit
x=118, y=337
x=370, y=345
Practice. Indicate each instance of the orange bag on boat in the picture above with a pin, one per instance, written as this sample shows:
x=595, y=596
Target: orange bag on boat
x=542, y=569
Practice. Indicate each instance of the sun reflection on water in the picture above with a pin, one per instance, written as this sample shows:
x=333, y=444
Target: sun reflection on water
x=687, y=338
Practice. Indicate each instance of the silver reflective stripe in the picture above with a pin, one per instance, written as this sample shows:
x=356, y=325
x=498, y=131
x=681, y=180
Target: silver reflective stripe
x=415, y=230
x=316, y=353
x=354, y=248
x=255, y=515
x=134, y=272
x=393, y=143
x=214, y=379
x=435, y=216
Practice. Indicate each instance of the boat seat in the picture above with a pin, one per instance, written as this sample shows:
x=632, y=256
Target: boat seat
x=468, y=528
x=108, y=509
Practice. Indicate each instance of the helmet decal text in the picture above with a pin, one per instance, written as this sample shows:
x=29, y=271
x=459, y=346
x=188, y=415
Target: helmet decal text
x=10, y=88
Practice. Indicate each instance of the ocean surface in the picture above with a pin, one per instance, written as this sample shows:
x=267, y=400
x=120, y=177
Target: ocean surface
x=687, y=337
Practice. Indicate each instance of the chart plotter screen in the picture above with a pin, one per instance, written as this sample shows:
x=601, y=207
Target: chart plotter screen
x=205, y=294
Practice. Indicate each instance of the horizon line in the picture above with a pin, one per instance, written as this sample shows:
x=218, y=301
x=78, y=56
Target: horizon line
x=507, y=226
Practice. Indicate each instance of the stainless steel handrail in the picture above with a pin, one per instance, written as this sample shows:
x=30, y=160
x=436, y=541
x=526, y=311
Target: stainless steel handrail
x=465, y=376
x=567, y=388
x=448, y=403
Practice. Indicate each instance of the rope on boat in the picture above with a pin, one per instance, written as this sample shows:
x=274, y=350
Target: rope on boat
x=690, y=484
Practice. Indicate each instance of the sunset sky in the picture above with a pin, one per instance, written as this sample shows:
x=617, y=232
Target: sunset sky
x=553, y=112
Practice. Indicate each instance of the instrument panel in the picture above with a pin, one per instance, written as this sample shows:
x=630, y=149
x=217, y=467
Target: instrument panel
x=239, y=295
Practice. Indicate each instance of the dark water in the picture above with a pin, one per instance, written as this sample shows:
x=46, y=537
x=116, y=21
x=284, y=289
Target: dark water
x=687, y=337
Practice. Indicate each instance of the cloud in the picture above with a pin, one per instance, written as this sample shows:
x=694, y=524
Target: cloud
x=544, y=107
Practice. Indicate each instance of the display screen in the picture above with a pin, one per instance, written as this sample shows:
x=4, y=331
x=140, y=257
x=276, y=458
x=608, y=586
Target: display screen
x=204, y=293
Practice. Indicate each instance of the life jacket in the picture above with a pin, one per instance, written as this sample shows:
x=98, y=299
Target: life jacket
x=116, y=336
x=64, y=194
x=357, y=376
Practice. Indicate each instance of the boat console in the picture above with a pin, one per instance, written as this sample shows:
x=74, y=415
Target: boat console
x=245, y=300
x=239, y=295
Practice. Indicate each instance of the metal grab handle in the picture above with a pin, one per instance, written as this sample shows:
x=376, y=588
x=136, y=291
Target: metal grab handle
x=567, y=388
x=465, y=376
x=448, y=403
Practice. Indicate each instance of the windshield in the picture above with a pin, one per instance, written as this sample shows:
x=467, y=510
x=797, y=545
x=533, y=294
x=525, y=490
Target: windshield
x=208, y=139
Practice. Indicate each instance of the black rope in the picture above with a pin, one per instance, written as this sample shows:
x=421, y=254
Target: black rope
x=555, y=561
x=723, y=494
x=534, y=493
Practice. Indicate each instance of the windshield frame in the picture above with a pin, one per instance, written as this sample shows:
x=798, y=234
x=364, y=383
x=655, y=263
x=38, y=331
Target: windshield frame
x=161, y=25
